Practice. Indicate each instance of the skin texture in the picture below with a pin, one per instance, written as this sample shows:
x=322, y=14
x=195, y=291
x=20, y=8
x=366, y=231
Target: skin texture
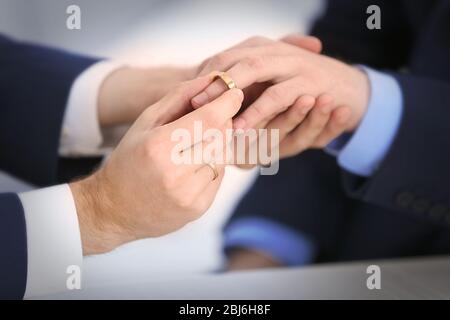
x=128, y=91
x=243, y=259
x=311, y=98
x=140, y=192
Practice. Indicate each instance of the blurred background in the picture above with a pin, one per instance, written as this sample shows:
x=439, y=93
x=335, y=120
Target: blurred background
x=151, y=32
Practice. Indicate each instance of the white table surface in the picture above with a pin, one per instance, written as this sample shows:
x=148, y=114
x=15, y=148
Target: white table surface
x=426, y=278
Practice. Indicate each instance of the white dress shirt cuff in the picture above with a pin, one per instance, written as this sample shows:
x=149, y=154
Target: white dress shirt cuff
x=362, y=152
x=81, y=133
x=53, y=239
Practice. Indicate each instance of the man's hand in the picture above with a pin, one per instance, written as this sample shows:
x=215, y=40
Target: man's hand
x=128, y=91
x=141, y=192
x=292, y=76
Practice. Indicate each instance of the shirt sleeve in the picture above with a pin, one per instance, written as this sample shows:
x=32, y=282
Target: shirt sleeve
x=81, y=133
x=363, y=152
x=278, y=241
x=53, y=239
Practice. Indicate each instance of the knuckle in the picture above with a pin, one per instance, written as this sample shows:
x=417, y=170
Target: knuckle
x=204, y=64
x=219, y=60
x=277, y=94
x=256, y=40
x=254, y=62
x=151, y=152
x=185, y=203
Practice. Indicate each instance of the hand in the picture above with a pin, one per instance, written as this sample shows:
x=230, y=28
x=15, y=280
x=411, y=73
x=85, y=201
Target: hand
x=292, y=73
x=289, y=120
x=309, y=124
x=253, y=91
x=128, y=91
x=244, y=259
x=140, y=192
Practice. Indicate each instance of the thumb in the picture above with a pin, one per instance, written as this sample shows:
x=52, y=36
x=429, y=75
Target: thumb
x=309, y=43
x=216, y=113
x=177, y=103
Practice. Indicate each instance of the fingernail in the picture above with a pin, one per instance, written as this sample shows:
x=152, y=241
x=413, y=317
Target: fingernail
x=239, y=123
x=200, y=99
x=240, y=93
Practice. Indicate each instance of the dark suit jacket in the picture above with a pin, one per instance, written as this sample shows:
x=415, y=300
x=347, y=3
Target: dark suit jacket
x=404, y=208
x=34, y=87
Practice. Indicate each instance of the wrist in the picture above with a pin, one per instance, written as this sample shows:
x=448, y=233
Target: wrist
x=95, y=211
x=359, y=96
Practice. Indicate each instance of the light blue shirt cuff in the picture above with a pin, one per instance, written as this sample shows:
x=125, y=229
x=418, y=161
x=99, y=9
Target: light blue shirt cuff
x=278, y=241
x=363, y=152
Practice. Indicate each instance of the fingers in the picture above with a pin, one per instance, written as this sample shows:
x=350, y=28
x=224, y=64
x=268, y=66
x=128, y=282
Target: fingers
x=293, y=117
x=198, y=191
x=310, y=43
x=250, y=70
x=335, y=127
x=222, y=108
x=273, y=100
x=209, y=174
x=255, y=41
x=207, y=195
x=202, y=136
x=305, y=135
x=226, y=59
x=205, y=182
x=177, y=103
x=285, y=123
x=208, y=65
x=186, y=91
x=216, y=113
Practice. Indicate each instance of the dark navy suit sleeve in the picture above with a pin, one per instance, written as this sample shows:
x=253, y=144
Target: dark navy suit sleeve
x=13, y=248
x=414, y=176
x=34, y=86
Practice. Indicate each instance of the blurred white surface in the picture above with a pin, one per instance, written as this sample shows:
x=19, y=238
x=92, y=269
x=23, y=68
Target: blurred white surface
x=426, y=278
x=155, y=32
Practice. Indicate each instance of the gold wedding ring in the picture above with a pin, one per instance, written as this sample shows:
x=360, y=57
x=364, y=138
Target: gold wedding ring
x=229, y=82
x=214, y=169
